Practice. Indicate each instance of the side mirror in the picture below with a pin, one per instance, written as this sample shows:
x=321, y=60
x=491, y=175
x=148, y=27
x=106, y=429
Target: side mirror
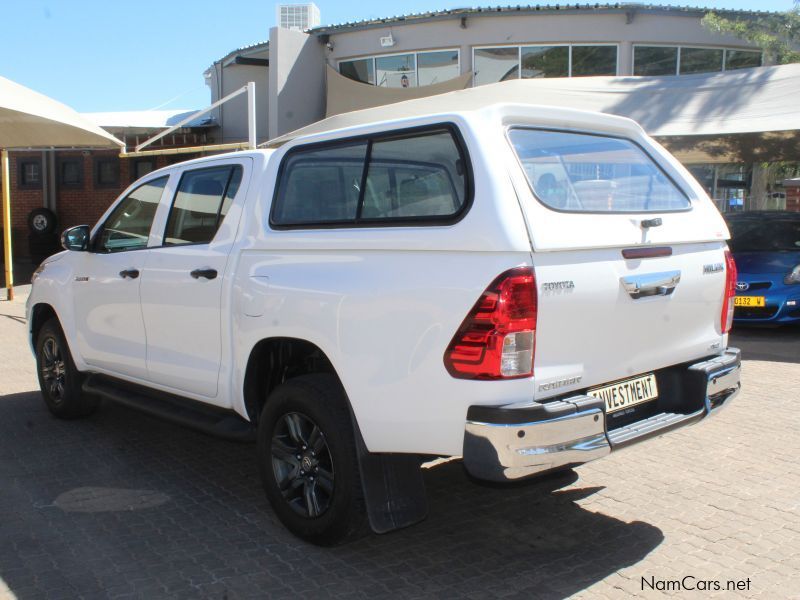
x=76, y=238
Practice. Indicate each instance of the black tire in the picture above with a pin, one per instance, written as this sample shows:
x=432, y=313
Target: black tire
x=42, y=221
x=59, y=380
x=322, y=500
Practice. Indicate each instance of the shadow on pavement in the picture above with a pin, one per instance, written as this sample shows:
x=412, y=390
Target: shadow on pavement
x=124, y=504
x=778, y=344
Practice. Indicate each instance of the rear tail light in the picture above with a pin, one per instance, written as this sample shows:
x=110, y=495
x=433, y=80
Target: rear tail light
x=496, y=339
x=726, y=320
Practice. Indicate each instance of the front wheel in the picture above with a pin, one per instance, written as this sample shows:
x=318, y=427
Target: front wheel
x=59, y=379
x=308, y=463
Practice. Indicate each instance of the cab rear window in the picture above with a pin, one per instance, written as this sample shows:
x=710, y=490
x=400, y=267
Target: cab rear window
x=581, y=172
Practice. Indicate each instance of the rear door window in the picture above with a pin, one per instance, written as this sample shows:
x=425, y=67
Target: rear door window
x=402, y=178
x=200, y=205
x=594, y=173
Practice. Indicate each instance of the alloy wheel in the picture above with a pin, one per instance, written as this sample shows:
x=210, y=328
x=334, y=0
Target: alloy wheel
x=54, y=369
x=302, y=464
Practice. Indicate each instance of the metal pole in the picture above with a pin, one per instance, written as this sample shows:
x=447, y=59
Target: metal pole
x=5, y=174
x=251, y=114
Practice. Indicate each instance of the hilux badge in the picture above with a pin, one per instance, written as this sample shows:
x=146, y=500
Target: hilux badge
x=712, y=268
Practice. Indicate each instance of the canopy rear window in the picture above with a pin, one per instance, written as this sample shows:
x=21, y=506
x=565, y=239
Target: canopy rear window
x=581, y=172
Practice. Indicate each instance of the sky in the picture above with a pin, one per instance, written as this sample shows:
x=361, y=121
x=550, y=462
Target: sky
x=108, y=55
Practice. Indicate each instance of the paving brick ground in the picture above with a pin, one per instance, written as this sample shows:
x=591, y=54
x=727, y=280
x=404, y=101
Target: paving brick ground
x=124, y=506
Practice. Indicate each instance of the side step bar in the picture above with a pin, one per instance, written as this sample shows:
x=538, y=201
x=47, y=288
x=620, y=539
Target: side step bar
x=195, y=415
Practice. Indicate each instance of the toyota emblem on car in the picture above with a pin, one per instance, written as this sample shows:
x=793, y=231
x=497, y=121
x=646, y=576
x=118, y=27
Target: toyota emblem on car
x=742, y=286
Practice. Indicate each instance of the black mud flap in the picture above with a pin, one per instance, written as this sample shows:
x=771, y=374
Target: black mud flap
x=394, y=490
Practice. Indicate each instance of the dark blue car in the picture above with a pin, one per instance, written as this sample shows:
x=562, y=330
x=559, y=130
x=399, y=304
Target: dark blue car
x=766, y=248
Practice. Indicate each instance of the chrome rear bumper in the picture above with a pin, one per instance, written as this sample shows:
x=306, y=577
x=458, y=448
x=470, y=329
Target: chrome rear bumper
x=515, y=441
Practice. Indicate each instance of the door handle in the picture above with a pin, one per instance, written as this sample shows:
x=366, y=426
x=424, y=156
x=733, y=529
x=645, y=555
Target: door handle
x=131, y=273
x=651, y=284
x=204, y=273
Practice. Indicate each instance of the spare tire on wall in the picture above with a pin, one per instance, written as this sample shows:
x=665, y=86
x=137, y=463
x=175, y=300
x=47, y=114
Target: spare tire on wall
x=42, y=221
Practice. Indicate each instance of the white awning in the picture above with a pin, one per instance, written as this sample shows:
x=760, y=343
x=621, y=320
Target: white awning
x=743, y=101
x=30, y=119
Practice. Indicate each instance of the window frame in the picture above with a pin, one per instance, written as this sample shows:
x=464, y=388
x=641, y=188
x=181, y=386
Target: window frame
x=369, y=139
x=96, y=173
x=22, y=162
x=415, y=53
x=232, y=167
x=60, y=179
x=689, y=197
x=136, y=162
x=725, y=50
x=98, y=233
x=569, y=45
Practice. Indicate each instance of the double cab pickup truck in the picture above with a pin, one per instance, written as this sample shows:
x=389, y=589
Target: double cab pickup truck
x=526, y=287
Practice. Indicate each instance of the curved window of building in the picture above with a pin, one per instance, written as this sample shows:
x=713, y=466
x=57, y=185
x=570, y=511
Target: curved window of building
x=593, y=60
x=398, y=71
x=404, y=70
x=495, y=64
x=545, y=61
x=700, y=60
x=741, y=59
x=435, y=67
x=362, y=70
x=655, y=60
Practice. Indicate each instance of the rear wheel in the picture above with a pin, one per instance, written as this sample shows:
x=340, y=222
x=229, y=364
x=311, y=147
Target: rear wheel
x=308, y=462
x=59, y=380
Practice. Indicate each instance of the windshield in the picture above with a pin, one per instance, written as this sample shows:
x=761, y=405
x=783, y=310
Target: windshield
x=764, y=235
x=592, y=173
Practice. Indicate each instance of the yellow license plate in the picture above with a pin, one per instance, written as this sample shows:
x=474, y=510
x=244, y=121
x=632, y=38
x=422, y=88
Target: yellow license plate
x=627, y=393
x=749, y=301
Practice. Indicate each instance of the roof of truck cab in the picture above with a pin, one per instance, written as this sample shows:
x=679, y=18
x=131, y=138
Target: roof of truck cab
x=505, y=98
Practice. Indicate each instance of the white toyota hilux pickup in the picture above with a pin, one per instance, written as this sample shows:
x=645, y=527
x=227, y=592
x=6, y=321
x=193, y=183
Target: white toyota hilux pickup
x=529, y=288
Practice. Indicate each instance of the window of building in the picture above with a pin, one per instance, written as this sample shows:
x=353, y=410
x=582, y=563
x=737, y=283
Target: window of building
x=435, y=67
x=411, y=178
x=106, y=172
x=593, y=60
x=741, y=59
x=399, y=71
x=403, y=70
x=70, y=172
x=201, y=203
x=700, y=60
x=545, y=61
x=512, y=62
x=491, y=65
x=362, y=70
x=128, y=225
x=142, y=167
x=655, y=60
x=30, y=173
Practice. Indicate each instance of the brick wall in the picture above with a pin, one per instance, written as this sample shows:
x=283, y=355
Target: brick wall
x=75, y=205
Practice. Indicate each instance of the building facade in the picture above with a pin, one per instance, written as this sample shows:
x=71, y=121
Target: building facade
x=488, y=45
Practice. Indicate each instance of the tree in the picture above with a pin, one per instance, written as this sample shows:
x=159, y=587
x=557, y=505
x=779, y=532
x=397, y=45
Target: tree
x=777, y=34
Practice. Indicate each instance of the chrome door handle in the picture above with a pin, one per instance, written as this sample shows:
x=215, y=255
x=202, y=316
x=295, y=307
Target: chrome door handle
x=651, y=284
